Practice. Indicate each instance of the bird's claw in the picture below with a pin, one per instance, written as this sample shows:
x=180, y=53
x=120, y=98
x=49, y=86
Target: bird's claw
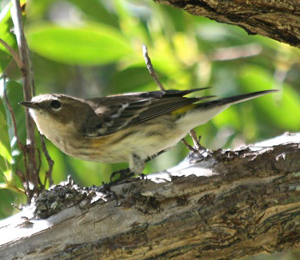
x=124, y=174
x=105, y=188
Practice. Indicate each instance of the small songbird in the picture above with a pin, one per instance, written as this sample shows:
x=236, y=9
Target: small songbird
x=129, y=127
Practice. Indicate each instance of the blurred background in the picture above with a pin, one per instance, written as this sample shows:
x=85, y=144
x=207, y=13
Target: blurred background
x=94, y=48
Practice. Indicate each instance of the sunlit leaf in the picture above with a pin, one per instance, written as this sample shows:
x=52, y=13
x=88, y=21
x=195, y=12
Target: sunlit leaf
x=3, y=127
x=5, y=149
x=3, y=186
x=89, y=45
x=6, y=34
x=5, y=153
x=8, y=175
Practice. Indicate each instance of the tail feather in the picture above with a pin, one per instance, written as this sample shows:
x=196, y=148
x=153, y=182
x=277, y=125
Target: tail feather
x=205, y=111
x=235, y=99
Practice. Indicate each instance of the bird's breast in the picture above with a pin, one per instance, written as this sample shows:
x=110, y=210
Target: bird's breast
x=144, y=140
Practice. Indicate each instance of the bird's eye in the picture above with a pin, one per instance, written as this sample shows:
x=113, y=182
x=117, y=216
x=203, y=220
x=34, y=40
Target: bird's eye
x=55, y=105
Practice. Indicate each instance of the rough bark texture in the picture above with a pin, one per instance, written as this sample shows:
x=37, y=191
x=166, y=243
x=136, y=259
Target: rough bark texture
x=229, y=205
x=276, y=19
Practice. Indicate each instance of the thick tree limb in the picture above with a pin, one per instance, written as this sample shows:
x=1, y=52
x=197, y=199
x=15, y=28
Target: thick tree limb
x=276, y=19
x=230, y=205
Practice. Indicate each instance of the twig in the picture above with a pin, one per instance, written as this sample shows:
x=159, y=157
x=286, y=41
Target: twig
x=31, y=72
x=31, y=167
x=50, y=162
x=13, y=53
x=150, y=67
x=42, y=186
x=39, y=164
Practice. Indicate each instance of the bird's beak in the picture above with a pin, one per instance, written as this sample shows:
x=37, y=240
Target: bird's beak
x=30, y=104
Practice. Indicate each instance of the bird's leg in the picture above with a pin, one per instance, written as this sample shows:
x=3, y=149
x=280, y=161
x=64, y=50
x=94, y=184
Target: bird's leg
x=124, y=174
x=136, y=165
x=127, y=173
x=196, y=140
x=188, y=146
x=197, y=152
x=143, y=176
x=197, y=146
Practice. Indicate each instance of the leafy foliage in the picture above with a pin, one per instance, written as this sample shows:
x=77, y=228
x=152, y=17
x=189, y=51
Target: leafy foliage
x=89, y=45
x=6, y=26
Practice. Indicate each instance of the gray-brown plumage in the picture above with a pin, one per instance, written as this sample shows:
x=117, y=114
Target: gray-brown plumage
x=124, y=128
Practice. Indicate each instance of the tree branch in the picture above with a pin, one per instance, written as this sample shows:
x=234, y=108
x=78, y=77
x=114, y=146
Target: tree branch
x=229, y=205
x=275, y=19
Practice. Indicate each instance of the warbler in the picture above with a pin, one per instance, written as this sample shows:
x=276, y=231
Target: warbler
x=130, y=127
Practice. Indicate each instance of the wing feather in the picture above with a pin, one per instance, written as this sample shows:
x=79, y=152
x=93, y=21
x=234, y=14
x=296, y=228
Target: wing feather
x=118, y=112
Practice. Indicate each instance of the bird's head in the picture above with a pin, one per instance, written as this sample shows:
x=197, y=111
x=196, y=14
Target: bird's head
x=53, y=112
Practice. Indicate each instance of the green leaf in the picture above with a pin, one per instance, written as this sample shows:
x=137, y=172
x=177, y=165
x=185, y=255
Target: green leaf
x=2, y=120
x=5, y=149
x=15, y=95
x=125, y=78
x=5, y=153
x=6, y=34
x=89, y=45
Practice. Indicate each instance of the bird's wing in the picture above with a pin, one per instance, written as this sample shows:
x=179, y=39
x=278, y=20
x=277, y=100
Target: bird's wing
x=118, y=112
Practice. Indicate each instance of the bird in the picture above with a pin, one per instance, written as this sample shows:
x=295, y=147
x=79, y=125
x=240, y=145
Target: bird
x=128, y=127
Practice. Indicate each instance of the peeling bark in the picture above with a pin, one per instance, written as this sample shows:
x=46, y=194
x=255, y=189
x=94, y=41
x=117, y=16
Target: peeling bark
x=228, y=205
x=275, y=19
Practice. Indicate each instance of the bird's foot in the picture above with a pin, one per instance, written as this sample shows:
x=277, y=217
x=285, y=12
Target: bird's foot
x=105, y=188
x=124, y=174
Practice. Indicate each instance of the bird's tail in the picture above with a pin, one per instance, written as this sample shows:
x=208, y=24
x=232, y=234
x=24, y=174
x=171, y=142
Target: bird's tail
x=203, y=112
x=235, y=99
